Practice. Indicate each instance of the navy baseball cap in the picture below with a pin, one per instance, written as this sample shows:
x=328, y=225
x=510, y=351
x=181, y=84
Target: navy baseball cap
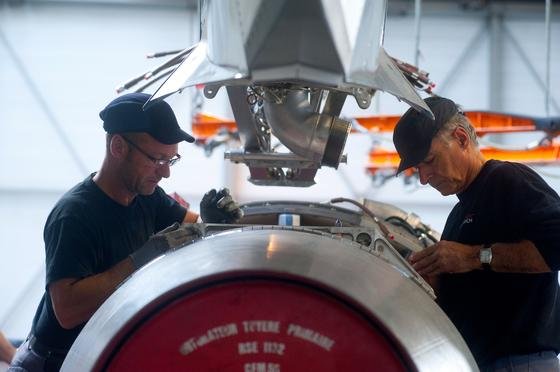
x=414, y=131
x=126, y=114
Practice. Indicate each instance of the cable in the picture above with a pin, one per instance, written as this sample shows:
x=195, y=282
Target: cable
x=155, y=80
x=418, y=231
x=366, y=211
x=175, y=60
x=403, y=223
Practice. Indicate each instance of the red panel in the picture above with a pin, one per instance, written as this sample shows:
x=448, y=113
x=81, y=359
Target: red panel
x=256, y=326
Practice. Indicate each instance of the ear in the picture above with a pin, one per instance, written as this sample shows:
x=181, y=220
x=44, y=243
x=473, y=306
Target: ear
x=462, y=137
x=117, y=147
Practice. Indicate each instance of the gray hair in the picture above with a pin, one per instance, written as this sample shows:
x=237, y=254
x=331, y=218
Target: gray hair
x=459, y=120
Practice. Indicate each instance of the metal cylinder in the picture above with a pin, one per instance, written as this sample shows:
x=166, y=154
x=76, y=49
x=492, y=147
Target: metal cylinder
x=272, y=299
x=312, y=135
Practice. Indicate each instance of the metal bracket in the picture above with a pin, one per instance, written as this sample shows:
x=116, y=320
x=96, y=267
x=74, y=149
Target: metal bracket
x=277, y=169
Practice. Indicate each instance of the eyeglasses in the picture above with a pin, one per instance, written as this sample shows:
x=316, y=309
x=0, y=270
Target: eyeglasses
x=157, y=162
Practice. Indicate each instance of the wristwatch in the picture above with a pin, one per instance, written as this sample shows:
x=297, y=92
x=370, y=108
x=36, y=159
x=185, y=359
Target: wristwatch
x=485, y=256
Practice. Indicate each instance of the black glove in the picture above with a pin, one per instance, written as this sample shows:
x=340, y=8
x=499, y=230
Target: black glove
x=219, y=207
x=169, y=238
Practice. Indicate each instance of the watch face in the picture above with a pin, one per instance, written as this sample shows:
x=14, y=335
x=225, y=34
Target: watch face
x=486, y=255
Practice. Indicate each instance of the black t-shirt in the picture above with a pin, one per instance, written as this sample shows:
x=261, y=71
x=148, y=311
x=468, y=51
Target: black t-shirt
x=87, y=233
x=501, y=314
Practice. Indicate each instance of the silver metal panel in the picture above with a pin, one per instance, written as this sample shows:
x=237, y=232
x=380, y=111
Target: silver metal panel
x=198, y=69
x=387, y=77
x=289, y=54
x=413, y=318
x=238, y=36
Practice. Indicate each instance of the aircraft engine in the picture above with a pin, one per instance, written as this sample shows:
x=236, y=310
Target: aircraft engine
x=324, y=290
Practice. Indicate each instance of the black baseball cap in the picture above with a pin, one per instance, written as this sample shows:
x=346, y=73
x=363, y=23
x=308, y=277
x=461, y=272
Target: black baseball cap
x=126, y=114
x=414, y=131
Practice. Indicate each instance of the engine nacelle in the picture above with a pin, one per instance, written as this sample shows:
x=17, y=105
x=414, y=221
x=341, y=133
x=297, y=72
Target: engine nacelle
x=275, y=298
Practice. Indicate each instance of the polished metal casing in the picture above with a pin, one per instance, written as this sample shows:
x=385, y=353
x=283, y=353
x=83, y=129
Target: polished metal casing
x=384, y=293
x=288, y=67
x=309, y=43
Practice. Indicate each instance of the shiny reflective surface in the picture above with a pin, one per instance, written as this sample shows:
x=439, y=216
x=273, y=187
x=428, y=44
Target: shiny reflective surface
x=261, y=42
x=301, y=129
x=288, y=66
x=389, y=297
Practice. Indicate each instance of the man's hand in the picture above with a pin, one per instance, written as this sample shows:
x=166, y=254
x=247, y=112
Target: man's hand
x=219, y=207
x=445, y=257
x=169, y=238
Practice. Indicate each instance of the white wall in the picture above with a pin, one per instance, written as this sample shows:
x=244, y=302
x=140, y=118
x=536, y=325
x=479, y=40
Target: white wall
x=60, y=63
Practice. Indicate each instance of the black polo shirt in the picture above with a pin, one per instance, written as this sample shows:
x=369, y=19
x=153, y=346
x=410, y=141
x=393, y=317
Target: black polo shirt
x=87, y=233
x=501, y=314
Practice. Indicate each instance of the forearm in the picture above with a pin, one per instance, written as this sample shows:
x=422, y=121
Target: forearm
x=452, y=257
x=76, y=300
x=190, y=217
x=7, y=350
x=521, y=257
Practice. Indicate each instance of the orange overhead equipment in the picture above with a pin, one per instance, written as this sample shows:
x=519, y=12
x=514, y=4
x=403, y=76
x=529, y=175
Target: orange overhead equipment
x=379, y=123
x=383, y=159
x=484, y=122
x=205, y=126
x=489, y=122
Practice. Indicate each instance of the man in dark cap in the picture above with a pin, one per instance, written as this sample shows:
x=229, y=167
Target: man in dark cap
x=495, y=268
x=104, y=228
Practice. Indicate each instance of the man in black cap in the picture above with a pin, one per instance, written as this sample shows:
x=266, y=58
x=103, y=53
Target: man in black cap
x=103, y=229
x=495, y=268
